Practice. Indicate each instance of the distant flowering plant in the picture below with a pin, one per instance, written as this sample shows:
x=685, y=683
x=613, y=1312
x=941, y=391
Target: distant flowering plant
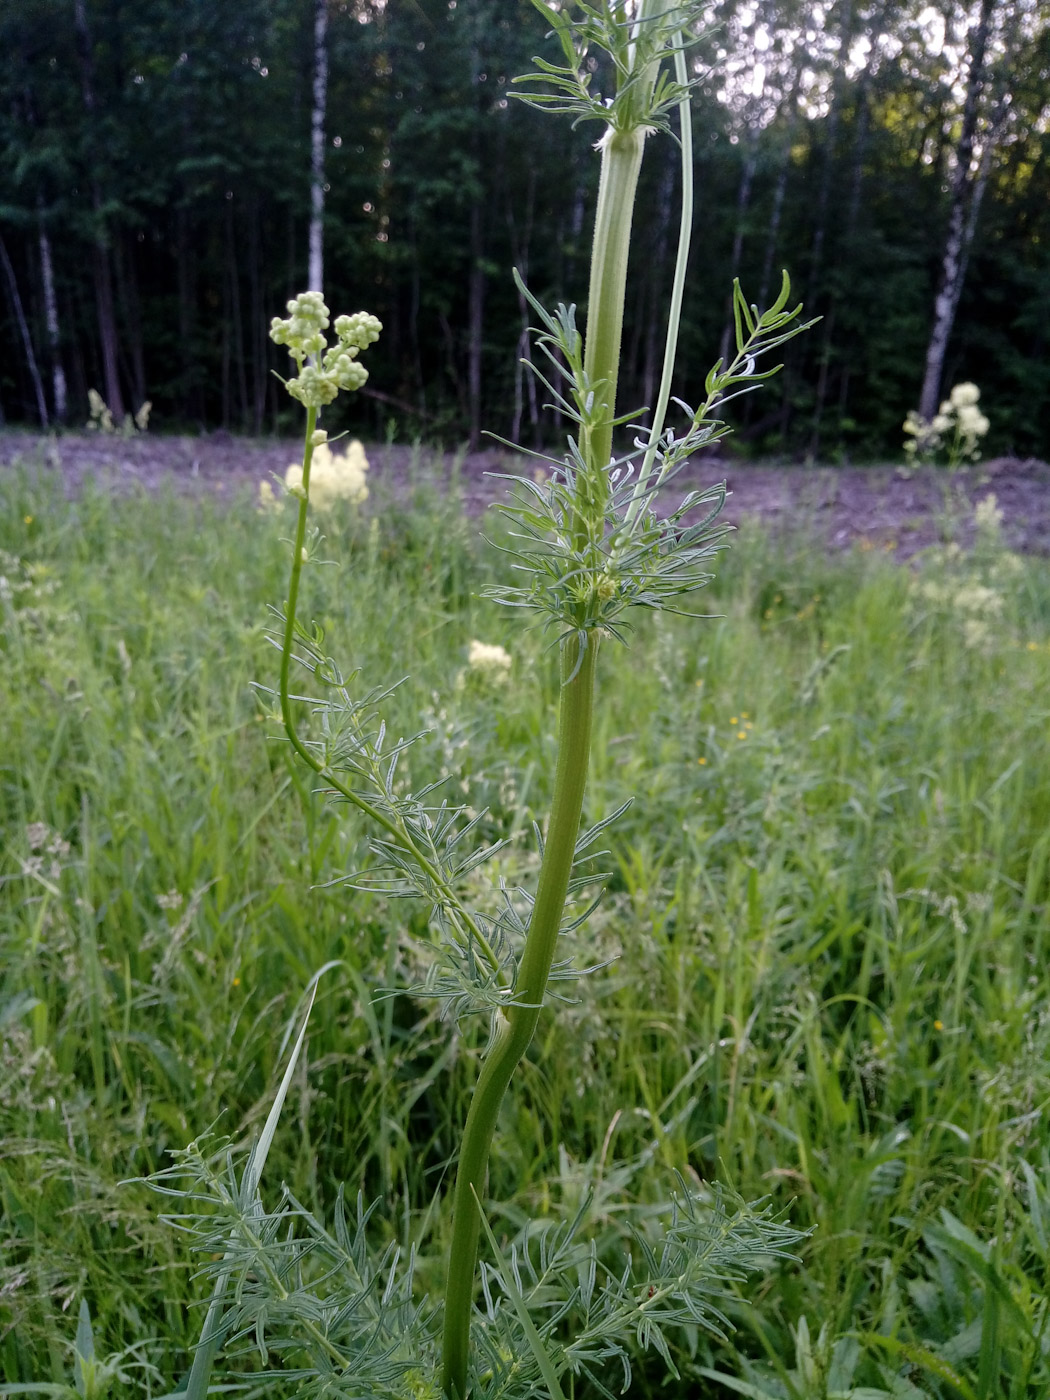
x=972, y=589
x=955, y=430
x=489, y=659
x=334, y=476
x=101, y=420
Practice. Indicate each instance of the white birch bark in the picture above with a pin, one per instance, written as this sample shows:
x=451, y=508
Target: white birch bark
x=962, y=220
x=317, y=124
x=23, y=330
x=58, y=374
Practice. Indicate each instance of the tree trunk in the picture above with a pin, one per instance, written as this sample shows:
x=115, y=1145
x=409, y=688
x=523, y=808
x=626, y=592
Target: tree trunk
x=820, y=227
x=257, y=319
x=966, y=194
x=743, y=201
x=475, y=324
x=186, y=290
x=656, y=321
x=779, y=191
x=107, y=325
x=131, y=317
x=47, y=277
x=524, y=379
x=23, y=330
x=236, y=319
x=860, y=146
x=315, y=276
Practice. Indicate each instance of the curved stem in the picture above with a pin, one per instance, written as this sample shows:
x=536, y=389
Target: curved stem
x=514, y=1028
x=674, y=315
x=393, y=828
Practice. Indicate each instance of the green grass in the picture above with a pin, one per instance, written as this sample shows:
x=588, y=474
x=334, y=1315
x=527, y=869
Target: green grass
x=830, y=903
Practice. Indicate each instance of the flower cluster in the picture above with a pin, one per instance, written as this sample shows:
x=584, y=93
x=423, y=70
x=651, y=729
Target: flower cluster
x=488, y=662
x=332, y=477
x=331, y=369
x=101, y=420
x=973, y=589
x=957, y=427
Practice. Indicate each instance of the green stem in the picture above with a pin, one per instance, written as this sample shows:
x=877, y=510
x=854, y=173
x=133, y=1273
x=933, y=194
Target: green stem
x=621, y=161
x=674, y=315
x=515, y=1027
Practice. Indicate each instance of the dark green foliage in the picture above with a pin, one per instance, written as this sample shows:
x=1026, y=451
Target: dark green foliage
x=440, y=183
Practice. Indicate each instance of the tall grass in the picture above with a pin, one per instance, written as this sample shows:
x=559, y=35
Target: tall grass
x=828, y=907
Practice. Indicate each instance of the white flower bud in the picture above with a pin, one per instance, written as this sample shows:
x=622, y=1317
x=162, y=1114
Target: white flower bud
x=963, y=395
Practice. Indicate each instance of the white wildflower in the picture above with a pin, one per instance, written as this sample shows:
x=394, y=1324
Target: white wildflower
x=979, y=600
x=963, y=395
x=37, y=835
x=987, y=516
x=977, y=633
x=491, y=661
x=333, y=477
x=267, y=497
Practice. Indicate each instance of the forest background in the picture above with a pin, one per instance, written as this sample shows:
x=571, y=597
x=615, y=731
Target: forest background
x=166, y=167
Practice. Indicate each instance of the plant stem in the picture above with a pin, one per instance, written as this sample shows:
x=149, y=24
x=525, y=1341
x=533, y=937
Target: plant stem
x=394, y=828
x=674, y=315
x=514, y=1028
x=621, y=161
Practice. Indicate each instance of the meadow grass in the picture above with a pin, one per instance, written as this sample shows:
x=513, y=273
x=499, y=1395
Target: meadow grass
x=827, y=905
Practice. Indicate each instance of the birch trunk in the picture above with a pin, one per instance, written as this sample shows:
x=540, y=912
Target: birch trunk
x=966, y=193
x=107, y=324
x=317, y=122
x=23, y=330
x=47, y=276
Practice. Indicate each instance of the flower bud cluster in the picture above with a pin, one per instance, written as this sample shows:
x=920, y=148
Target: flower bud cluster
x=331, y=369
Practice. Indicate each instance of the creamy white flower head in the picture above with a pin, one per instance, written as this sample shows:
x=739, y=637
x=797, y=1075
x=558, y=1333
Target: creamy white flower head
x=978, y=632
x=267, y=497
x=972, y=422
x=987, y=515
x=333, y=476
x=941, y=423
x=978, y=600
x=492, y=660
x=964, y=395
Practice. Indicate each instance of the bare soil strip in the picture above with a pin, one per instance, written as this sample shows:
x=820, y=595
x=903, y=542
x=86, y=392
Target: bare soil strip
x=880, y=507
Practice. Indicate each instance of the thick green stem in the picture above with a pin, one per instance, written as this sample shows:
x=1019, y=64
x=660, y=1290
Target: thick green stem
x=622, y=152
x=621, y=161
x=515, y=1027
